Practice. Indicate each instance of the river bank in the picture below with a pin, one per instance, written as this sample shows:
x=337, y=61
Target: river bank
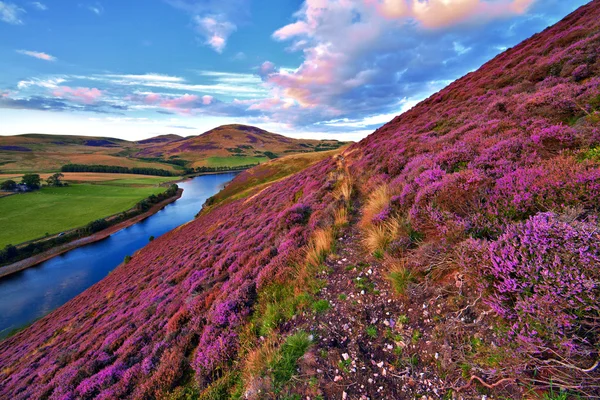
x=39, y=258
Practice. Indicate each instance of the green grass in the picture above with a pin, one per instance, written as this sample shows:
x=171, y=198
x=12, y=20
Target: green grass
x=371, y=331
x=29, y=216
x=149, y=181
x=284, y=364
x=233, y=161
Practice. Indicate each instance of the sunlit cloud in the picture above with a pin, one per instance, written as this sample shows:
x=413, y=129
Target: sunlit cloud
x=80, y=94
x=37, y=54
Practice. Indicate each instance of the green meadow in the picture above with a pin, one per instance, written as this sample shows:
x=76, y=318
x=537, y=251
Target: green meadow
x=233, y=161
x=52, y=210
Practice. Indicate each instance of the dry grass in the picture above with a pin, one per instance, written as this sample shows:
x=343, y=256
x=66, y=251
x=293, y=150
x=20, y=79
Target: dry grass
x=258, y=360
x=376, y=202
x=344, y=189
x=378, y=237
x=319, y=246
x=340, y=216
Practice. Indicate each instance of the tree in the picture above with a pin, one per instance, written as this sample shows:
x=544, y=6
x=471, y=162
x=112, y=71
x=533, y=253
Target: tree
x=32, y=181
x=8, y=185
x=54, y=180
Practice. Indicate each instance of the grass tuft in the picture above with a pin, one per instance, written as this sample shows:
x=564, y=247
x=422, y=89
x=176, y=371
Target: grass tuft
x=399, y=276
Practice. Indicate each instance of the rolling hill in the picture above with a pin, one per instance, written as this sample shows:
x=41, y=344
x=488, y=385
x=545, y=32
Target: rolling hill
x=453, y=253
x=247, y=144
x=230, y=145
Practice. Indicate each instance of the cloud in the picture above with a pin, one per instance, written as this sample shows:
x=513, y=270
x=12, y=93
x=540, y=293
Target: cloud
x=48, y=83
x=364, y=58
x=11, y=13
x=96, y=8
x=39, y=6
x=181, y=127
x=80, y=94
x=43, y=103
x=151, y=77
x=37, y=54
x=216, y=83
x=215, y=30
x=214, y=20
x=443, y=13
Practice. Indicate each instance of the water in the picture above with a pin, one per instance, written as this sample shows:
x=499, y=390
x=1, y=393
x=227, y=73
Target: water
x=34, y=292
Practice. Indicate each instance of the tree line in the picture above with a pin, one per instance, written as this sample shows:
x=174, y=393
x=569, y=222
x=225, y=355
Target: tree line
x=113, y=169
x=11, y=253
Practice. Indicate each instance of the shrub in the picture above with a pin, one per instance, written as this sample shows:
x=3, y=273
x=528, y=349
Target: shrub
x=544, y=280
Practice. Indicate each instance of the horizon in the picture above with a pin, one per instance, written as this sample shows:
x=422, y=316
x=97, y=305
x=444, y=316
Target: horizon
x=316, y=69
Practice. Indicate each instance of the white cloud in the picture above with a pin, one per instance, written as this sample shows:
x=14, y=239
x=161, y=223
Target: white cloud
x=49, y=83
x=150, y=77
x=11, y=13
x=39, y=6
x=215, y=30
x=37, y=54
x=96, y=8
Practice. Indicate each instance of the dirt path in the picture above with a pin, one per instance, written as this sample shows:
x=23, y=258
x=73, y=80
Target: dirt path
x=372, y=343
x=39, y=258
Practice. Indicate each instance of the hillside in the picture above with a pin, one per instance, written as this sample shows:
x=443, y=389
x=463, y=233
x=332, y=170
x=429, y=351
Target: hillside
x=247, y=144
x=225, y=146
x=452, y=253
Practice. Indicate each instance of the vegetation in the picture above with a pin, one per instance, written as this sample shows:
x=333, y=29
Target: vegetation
x=236, y=161
x=12, y=253
x=8, y=185
x=480, y=189
x=55, y=180
x=32, y=181
x=52, y=210
x=116, y=170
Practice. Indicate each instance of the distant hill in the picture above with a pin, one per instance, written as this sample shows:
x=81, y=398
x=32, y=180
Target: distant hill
x=245, y=143
x=225, y=146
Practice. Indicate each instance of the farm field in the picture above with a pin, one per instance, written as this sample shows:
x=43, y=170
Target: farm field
x=51, y=210
x=99, y=177
x=233, y=161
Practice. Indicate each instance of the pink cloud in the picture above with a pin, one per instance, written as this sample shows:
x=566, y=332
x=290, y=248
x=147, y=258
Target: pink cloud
x=37, y=54
x=335, y=42
x=183, y=102
x=81, y=94
x=442, y=13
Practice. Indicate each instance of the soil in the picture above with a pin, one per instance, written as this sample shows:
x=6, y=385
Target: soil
x=374, y=344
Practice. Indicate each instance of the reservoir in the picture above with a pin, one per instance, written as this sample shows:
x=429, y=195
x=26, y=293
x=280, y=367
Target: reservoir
x=32, y=293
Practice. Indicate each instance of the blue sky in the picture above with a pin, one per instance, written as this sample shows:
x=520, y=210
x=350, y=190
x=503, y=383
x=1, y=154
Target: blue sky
x=316, y=68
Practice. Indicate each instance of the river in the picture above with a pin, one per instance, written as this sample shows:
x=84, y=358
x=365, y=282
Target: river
x=32, y=293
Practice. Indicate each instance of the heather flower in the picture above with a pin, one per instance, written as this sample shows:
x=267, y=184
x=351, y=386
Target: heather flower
x=545, y=276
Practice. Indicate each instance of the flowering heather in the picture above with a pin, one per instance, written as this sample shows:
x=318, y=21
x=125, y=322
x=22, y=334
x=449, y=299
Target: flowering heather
x=546, y=284
x=480, y=160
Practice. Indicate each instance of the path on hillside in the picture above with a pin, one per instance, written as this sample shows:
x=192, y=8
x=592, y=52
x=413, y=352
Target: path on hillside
x=373, y=344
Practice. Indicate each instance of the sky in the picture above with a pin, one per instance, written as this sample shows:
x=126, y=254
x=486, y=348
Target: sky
x=335, y=69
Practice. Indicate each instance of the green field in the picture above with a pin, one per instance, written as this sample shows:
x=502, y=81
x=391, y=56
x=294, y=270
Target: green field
x=233, y=161
x=139, y=181
x=29, y=216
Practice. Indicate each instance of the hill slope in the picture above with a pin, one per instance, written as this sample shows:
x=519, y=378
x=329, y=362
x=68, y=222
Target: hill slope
x=229, y=145
x=410, y=260
x=240, y=141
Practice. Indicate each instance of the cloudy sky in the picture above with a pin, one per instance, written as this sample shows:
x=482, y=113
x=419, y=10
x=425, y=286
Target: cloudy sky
x=315, y=68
